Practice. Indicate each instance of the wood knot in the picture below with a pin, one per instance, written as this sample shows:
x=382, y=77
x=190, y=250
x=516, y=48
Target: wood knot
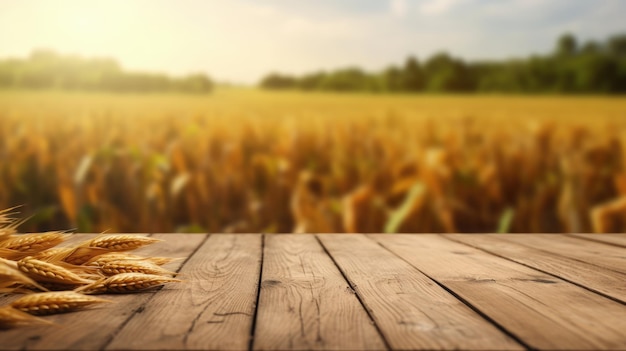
x=269, y=283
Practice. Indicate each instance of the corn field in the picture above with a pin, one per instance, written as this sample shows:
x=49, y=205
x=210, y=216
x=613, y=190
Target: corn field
x=250, y=161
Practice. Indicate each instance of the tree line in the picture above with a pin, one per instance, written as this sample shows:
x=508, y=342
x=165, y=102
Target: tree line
x=45, y=69
x=590, y=67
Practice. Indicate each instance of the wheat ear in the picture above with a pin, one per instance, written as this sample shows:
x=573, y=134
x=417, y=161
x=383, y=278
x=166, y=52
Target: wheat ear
x=55, y=302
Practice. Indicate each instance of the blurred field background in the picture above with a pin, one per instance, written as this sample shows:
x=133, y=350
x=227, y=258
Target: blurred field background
x=244, y=160
x=326, y=116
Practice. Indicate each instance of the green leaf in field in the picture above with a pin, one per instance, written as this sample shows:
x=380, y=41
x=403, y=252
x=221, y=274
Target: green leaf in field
x=397, y=217
x=43, y=214
x=272, y=228
x=191, y=228
x=504, y=224
x=85, y=220
x=159, y=161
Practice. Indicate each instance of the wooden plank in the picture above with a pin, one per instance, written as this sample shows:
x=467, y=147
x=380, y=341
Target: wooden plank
x=92, y=329
x=612, y=239
x=212, y=311
x=306, y=304
x=543, y=311
x=595, y=253
x=411, y=310
x=599, y=279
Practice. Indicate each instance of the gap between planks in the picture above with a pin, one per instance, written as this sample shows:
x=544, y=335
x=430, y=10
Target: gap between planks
x=345, y=274
x=147, y=301
x=213, y=311
x=611, y=239
x=543, y=312
x=596, y=279
x=305, y=303
x=598, y=254
x=411, y=310
x=255, y=314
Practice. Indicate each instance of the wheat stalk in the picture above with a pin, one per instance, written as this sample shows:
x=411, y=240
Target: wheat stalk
x=55, y=302
x=126, y=283
x=49, y=253
x=133, y=266
x=34, y=261
x=11, y=318
x=8, y=225
x=160, y=261
x=16, y=247
x=121, y=242
x=12, y=254
x=10, y=275
x=5, y=217
x=47, y=272
x=103, y=259
x=33, y=242
x=76, y=255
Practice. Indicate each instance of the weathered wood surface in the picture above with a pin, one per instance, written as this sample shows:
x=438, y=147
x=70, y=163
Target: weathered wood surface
x=213, y=310
x=410, y=309
x=614, y=239
x=305, y=302
x=595, y=253
x=352, y=291
x=526, y=302
x=599, y=279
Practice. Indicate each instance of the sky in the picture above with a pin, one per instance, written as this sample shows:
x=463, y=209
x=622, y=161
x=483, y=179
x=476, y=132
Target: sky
x=240, y=41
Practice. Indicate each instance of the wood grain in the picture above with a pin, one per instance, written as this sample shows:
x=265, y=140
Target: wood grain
x=306, y=304
x=212, y=311
x=603, y=255
x=93, y=329
x=410, y=309
x=612, y=239
x=541, y=310
x=422, y=292
x=599, y=279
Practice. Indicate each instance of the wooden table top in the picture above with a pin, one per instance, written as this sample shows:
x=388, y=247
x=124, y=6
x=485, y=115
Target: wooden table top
x=370, y=292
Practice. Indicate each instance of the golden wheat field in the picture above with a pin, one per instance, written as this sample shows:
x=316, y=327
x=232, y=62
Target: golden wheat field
x=251, y=161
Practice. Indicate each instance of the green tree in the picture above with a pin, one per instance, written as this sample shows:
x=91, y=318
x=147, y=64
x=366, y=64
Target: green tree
x=311, y=81
x=278, y=81
x=412, y=76
x=617, y=45
x=45, y=69
x=392, y=79
x=347, y=79
x=447, y=74
x=566, y=45
x=596, y=73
